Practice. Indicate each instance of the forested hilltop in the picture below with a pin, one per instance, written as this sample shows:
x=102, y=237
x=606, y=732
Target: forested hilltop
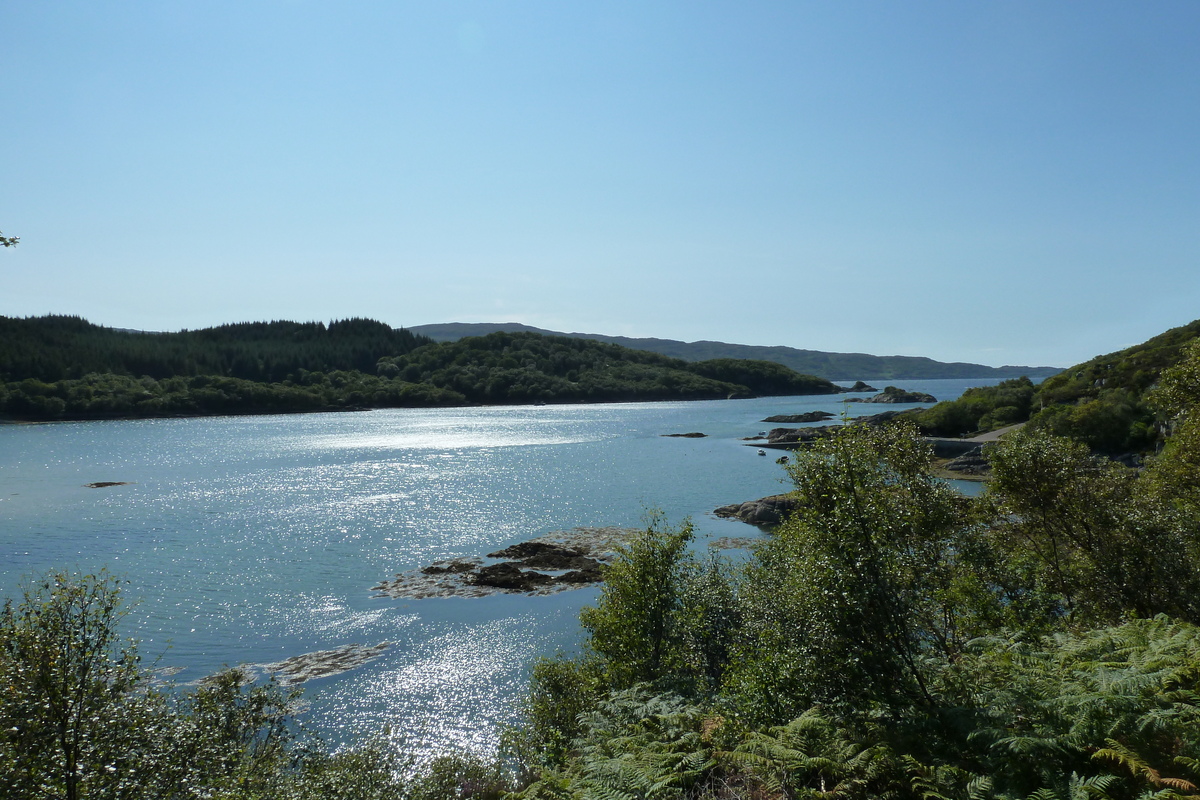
x=54, y=348
x=891, y=639
x=833, y=366
x=66, y=368
x=1103, y=402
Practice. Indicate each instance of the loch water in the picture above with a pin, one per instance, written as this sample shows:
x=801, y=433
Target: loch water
x=253, y=539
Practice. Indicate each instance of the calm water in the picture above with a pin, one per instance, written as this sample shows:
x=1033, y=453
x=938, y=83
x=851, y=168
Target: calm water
x=251, y=539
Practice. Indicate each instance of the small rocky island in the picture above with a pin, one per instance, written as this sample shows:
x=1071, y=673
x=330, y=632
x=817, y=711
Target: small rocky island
x=553, y=563
x=809, y=416
x=894, y=394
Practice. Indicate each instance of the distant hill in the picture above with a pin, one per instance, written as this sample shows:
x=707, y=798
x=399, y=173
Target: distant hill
x=831, y=366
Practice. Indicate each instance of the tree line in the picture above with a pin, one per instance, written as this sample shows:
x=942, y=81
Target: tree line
x=54, y=348
x=67, y=368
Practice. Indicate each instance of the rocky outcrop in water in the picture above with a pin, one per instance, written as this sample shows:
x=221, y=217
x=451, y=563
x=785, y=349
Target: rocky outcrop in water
x=768, y=511
x=692, y=435
x=799, y=435
x=811, y=416
x=892, y=394
x=970, y=463
x=450, y=567
x=553, y=563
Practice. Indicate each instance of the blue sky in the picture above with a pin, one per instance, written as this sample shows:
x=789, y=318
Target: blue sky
x=999, y=182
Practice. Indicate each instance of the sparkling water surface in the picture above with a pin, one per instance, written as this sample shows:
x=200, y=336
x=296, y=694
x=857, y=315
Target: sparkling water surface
x=252, y=539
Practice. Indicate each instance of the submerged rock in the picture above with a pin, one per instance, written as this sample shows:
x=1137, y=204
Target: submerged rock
x=692, y=435
x=799, y=435
x=802, y=436
x=582, y=576
x=733, y=542
x=105, y=484
x=323, y=663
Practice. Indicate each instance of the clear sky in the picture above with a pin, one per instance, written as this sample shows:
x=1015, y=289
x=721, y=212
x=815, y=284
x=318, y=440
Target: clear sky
x=1002, y=182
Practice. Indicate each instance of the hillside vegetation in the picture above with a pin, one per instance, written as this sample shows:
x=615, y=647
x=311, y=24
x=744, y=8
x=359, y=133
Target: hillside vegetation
x=832, y=366
x=1104, y=402
x=67, y=368
x=523, y=367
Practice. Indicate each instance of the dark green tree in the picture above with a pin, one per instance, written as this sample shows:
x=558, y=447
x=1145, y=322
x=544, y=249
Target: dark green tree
x=67, y=708
x=1099, y=539
x=845, y=603
x=635, y=625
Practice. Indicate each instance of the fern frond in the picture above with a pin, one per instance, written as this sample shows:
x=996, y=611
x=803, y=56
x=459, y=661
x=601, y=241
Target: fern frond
x=980, y=787
x=1044, y=794
x=1126, y=757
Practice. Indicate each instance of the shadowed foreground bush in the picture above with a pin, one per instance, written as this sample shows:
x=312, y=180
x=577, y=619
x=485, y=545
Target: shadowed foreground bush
x=81, y=718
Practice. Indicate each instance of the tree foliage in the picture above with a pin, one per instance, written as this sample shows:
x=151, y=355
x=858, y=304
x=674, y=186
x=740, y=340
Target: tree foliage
x=1102, y=541
x=54, y=348
x=67, y=714
x=981, y=408
x=848, y=597
x=635, y=625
